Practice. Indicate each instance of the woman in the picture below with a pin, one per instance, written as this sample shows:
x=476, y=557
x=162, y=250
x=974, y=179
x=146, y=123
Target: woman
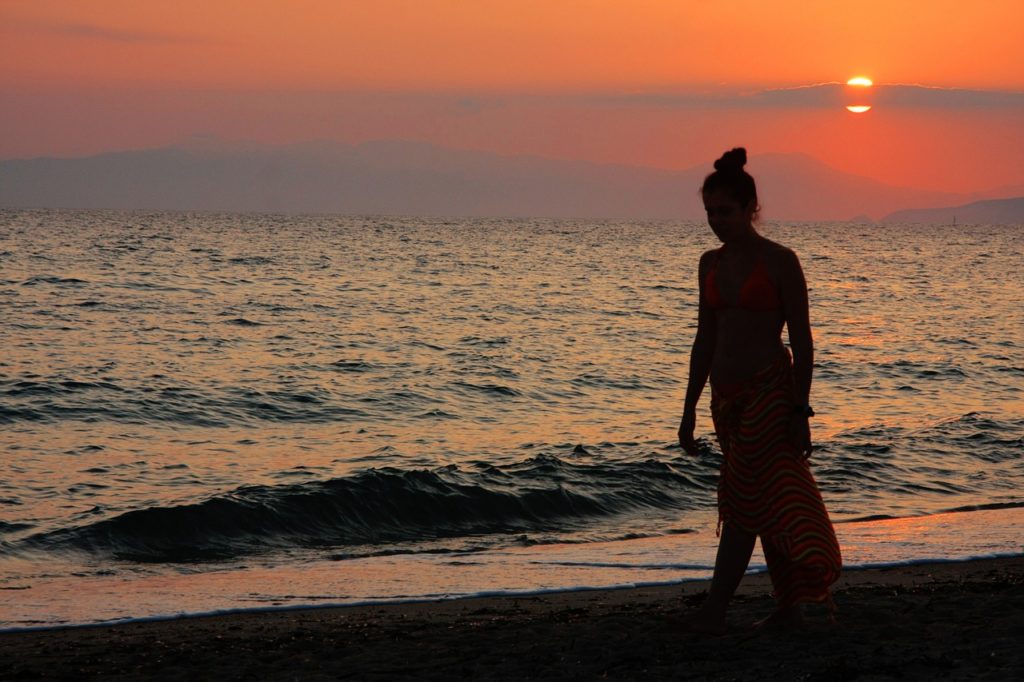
x=749, y=289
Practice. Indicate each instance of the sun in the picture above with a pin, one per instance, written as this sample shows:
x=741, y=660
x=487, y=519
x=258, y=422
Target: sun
x=858, y=89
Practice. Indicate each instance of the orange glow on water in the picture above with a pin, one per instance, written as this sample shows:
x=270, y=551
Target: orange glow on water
x=859, y=108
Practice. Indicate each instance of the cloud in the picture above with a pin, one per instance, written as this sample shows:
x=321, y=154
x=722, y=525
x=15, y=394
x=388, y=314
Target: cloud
x=103, y=33
x=809, y=97
x=821, y=95
x=896, y=94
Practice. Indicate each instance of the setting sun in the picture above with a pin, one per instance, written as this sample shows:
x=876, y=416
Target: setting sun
x=858, y=91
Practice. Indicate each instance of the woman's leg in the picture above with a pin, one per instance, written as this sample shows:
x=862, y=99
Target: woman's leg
x=734, y=550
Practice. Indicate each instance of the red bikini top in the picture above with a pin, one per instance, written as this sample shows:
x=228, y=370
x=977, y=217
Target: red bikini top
x=757, y=293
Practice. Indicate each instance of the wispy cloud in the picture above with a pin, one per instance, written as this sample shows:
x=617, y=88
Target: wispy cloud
x=110, y=34
x=896, y=94
x=823, y=95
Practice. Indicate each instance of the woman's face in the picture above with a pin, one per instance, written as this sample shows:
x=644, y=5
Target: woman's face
x=728, y=219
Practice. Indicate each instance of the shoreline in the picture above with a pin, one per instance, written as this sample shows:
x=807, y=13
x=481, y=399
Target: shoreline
x=681, y=584
x=950, y=619
x=78, y=595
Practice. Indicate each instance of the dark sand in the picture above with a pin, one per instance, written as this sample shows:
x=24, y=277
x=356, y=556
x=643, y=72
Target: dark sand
x=960, y=621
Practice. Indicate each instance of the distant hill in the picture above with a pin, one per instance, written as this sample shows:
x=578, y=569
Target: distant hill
x=988, y=212
x=415, y=178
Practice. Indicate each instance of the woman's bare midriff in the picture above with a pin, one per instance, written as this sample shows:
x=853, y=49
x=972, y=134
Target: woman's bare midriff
x=746, y=342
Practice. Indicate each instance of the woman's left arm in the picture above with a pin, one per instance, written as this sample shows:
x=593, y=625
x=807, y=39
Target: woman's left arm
x=795, y=308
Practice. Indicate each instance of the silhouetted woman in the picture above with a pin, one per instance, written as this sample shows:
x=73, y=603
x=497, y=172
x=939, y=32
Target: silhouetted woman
x=749, y=289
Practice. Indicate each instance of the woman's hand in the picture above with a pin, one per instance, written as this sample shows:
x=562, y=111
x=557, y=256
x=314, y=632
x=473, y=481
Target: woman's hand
x=686, y=427
x=800, y=432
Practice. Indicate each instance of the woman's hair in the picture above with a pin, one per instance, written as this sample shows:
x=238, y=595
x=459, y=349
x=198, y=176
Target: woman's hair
x=730, y=176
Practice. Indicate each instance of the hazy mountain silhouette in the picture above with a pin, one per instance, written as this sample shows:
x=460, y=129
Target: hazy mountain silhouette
x=989, y=212
x=416, y=178
x=1004, y=192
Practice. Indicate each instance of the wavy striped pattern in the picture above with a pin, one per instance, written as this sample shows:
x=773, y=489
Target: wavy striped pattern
x=766, y=486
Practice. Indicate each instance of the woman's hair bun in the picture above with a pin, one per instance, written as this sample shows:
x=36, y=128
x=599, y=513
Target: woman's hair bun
x=732, y=161
x=730, y=177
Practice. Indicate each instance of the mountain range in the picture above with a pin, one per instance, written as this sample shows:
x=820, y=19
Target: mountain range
x=399, y=177
x=992, y=212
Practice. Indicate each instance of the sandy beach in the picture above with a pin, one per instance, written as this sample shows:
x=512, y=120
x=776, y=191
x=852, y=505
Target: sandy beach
x=927, y=621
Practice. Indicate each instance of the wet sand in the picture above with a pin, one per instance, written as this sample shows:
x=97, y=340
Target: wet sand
x=923, y=622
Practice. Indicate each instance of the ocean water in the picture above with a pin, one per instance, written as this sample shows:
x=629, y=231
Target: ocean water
x=206, y=412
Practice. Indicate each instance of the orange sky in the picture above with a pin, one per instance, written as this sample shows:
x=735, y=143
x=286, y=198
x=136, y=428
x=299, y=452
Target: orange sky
x=571, y=78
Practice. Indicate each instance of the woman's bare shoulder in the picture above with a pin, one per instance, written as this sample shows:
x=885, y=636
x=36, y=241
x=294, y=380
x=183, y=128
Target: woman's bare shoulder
x=783, y=264
x=706, y=257
x=779, y=255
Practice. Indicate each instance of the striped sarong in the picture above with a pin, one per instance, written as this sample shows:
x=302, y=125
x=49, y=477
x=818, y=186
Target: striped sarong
x=766, y=487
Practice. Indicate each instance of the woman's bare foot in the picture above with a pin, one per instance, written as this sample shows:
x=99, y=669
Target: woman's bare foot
x=704, y=621
x=789, y=618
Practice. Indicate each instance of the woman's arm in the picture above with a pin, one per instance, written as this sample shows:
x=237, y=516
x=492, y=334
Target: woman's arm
x=701, y=354
x=796, y=310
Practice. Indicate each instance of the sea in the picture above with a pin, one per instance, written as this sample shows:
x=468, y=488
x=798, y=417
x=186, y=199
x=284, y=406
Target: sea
x=212, y=412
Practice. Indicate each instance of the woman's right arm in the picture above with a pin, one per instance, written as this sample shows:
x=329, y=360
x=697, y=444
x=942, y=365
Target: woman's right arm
x=701, y=354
